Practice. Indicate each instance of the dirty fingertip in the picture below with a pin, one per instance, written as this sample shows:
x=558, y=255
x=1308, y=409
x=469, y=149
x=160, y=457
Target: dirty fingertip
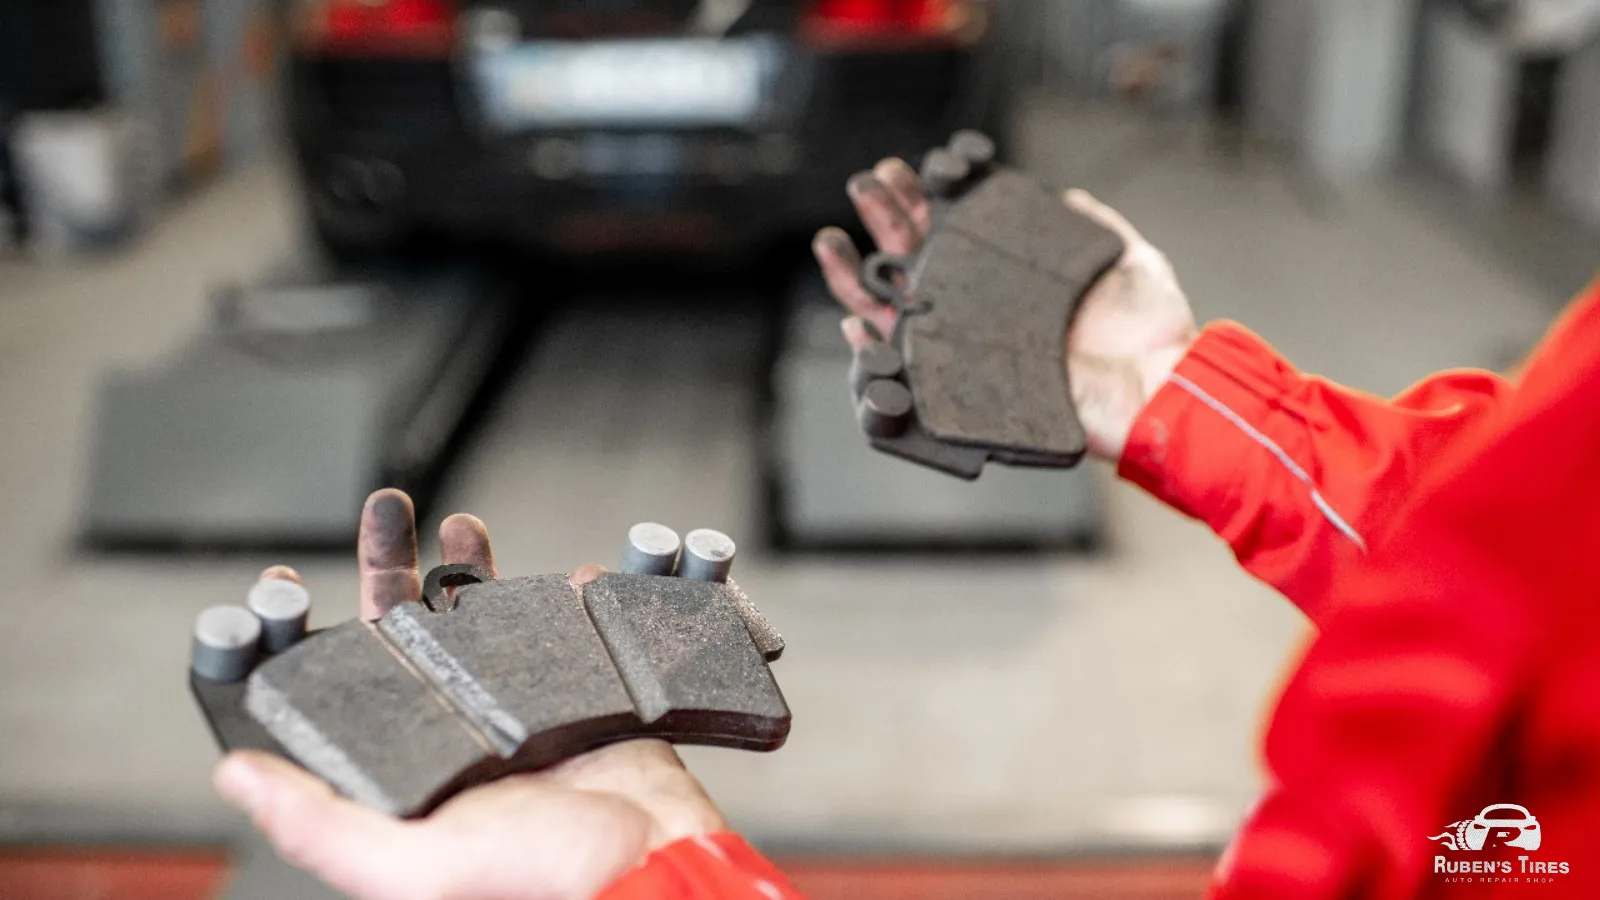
x=857, y=331
x=836, y=251
x=895, y=170
x=463, y=538
x=587, y=573
x=819, y=242
x=861, y=183
x=832, y=239
x=280, y=573
x=463, y=526
x=389, y=511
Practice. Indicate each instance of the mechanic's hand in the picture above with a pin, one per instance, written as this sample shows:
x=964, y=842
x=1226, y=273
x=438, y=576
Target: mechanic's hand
x=565, y=832
x=1131, y=329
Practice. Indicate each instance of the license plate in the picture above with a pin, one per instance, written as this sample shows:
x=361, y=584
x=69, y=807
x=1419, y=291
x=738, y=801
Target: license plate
x=657, y=83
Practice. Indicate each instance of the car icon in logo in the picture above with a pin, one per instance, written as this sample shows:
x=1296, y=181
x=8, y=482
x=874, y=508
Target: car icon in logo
x=1498, y=825
x=1502, y=825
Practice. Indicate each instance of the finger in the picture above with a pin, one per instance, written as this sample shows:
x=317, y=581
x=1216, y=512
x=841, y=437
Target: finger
x=650, y=774
x=1084, y=202
x=280, y=573
x=586, y=573
x=857, y=333
x=355, y=849
x=841, y=269
x=623, y=767
x=903, y=184
x=464, y=538
x=387, y=553
x=888, y=223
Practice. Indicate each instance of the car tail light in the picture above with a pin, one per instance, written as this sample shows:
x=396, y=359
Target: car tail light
x=425, y=28
x=876, y=22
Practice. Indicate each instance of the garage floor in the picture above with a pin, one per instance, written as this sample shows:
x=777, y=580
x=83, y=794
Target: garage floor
x=1007, y=705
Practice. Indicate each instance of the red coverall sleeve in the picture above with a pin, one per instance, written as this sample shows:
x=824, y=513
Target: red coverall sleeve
x=718, y=867
x=1436, y=690
x=1385, y=720
x=1300, y=476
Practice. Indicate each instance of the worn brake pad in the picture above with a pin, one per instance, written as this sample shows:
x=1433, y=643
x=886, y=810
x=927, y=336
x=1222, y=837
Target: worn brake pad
x=509, y=675
x=976, y=368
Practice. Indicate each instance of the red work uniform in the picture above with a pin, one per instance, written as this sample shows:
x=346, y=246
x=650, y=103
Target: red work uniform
x=1441, y=736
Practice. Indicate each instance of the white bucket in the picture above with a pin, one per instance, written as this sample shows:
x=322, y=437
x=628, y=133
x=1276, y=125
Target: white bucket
x=85, y=178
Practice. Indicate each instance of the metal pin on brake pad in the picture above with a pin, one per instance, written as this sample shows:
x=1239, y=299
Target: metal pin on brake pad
x=873, y=362
x=976, y=369
x=282, y=608
x=651, y=549
x=707, y=556
x=226, y=642
x=514, y=675
x=943, y=172
x=885, y=409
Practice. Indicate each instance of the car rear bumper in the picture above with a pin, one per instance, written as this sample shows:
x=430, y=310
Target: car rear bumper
x=543, y=191
x=394, y=149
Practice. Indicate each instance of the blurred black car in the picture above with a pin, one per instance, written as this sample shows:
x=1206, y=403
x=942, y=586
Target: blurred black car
x=585, y=126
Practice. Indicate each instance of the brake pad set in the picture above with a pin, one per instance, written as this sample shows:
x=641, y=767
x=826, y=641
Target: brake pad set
x=485, y=677
x=976, y=369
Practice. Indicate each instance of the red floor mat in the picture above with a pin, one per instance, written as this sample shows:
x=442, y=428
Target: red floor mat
x=111, y=874
x=199, y=875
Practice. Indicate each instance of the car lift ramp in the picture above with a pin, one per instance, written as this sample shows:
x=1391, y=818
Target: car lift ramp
x=301, y=394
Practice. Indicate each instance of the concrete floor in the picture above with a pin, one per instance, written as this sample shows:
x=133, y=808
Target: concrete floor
x=1006, y=705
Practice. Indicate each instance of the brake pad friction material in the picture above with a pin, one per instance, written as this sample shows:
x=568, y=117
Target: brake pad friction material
x=686, y=654
x=351, y=710
x=989, y=378
x=985, y=305
x=524, y=660
x=518, y=674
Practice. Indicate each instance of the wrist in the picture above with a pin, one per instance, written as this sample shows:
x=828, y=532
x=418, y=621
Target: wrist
x=1109, y=393
x=681, y=819
x=1156, y=367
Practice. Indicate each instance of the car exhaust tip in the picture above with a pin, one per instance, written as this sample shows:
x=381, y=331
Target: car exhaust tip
x=366, y=183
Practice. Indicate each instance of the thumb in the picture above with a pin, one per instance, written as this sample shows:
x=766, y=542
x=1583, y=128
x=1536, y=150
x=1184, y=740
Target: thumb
x=586, y=573
x=1103, y=215
x=355, y=849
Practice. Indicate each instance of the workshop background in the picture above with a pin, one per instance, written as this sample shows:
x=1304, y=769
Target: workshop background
x=257, y=258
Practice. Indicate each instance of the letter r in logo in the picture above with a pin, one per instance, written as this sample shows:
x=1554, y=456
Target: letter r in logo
x=1500, y=837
